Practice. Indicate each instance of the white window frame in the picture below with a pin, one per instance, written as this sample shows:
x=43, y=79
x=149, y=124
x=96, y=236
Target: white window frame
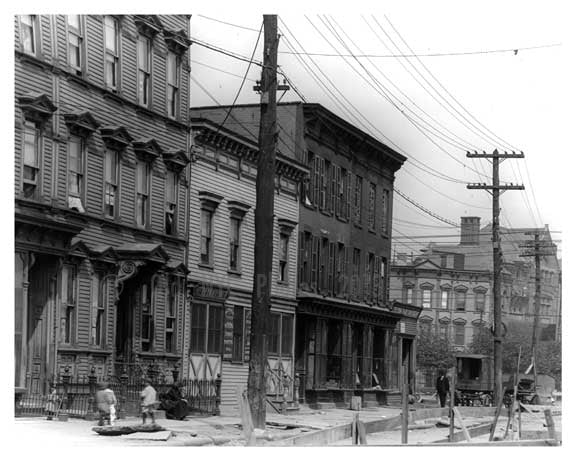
x=111, y=182
x=68, y=306
x=75, y=42
x=31, y=165
x=76, y=176
x=99, y=308
x=171, y=210
x=29, y=34
x=143, y=182
x=112, y=53
x=172, y=84
x=144, y=70
x=207, y=236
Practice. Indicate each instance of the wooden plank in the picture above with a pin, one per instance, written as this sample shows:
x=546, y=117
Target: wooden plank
x=475, y=431
x=550, y=424
x=461, y=421
x=246, y=418
x=355, y=429
x=361, y=430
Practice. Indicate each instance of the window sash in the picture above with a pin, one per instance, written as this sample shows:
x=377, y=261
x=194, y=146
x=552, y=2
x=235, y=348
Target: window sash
x=409, y=295
x=143, y=70
x=460, y=300
x=372, y=206
x=99, y=300
x=74, y=40
x=287, y=333
x=75, y=166
x=142, y=192
x=385, y=209
x=111, y=35
x=427, y=298
x=274, y=333
x=234, y=243
x=480, y=301
x=28, y=30
x=205, y=236
x=68, y=299
x=444, y=299
x=214, y=331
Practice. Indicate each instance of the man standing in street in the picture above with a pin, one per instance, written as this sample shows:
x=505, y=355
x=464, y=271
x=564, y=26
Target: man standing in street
x=442, y=387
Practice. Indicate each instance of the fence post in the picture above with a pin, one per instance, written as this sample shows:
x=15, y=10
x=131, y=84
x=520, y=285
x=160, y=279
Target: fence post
x=297, y=388
x=66, y=383
x=91, y=413
x=123, y=393
x=218, y=382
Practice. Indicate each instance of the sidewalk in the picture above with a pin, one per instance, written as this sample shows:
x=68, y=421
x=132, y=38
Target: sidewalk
x=194, y=431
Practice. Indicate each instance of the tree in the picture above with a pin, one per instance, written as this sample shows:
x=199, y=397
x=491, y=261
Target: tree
x=434, y=350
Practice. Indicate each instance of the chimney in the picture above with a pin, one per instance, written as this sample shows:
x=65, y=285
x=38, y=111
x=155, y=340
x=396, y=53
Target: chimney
x=469, y=230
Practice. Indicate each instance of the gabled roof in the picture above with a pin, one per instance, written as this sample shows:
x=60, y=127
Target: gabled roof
x=426, y=263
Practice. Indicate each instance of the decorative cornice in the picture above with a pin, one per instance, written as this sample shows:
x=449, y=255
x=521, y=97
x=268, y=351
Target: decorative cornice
x=177, y=40
x=147, y=149
x=209, y=200
x=37, y=107
x=81, y=122
x=148, y=25
x=237, y=209
x=115, y=137
x=175, y=160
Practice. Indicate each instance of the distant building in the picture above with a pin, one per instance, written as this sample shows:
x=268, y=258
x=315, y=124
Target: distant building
x=453, y=283
x=101, y=195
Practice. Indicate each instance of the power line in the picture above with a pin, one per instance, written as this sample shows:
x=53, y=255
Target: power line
x=416, y=55
x=228, y=23
x=424, y=209
x=220, y=70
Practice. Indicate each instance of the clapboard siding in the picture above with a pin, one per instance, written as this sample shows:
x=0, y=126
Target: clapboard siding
x=206, y=178
x=233, y=376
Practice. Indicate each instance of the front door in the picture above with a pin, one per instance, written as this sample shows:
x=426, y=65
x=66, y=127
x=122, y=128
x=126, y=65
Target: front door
x=40, y=331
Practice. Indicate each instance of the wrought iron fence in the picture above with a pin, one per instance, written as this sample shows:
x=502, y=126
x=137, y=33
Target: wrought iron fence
x=75, y=396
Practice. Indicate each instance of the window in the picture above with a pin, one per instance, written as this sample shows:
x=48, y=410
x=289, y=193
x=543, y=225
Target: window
x=68, y=297
x=444, y=299
x=28, y=33
x=238, y=334
x=171, y=312
x=459, y=335
x=372, y=206
x=144, y=67
x=326, y=184
x=147, y=309
x=356, y=273
x=443, y=260
x=305, y=263
x=443, y=331
x=460, y=300
x=409, y=295
x=111, y=38
x=206, y=218
x=31, y=160
x=171, y=218
x=340, y=271
x=215, y=324
x=308, y=186
x=76, y=166
x=385, y=211
x=323, y=268
x=142, y=193
x=280, y=334
x=111, y=175
x=283, y=258
x=426, y=298
x=75, y=42
x=235, y=244
x=172, y=84
x=369, y=277
x=99, y=303
x=382, y=279
x=358, y=201
x=480, y=301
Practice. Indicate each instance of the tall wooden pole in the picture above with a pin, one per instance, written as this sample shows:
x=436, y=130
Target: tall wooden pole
x=264, y=227
x=495, y=189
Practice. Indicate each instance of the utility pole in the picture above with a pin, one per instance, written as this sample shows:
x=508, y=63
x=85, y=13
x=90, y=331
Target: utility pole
x=496, y=190
x=264, y=226
x=535, y=248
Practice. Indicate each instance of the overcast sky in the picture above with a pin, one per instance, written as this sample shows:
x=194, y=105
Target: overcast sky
x=472, y=97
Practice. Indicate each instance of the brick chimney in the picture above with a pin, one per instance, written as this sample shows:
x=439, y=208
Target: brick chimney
x=469, y=230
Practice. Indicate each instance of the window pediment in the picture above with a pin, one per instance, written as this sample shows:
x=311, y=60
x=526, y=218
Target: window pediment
x=115, y=137
x=286, y=225
x=237, y=209
x=461, y=288
x=148, y=25
x=459, y=321
x=446, y=287
x=209, y=200
x=426, y=286
x=478, y=323
x=444, y=320
x=175, y=160
x=425, y=319
x=147, y=149
x=81, y=123
x=177, y=40
x=480, y=290
x=408, y=285
x=37, y=107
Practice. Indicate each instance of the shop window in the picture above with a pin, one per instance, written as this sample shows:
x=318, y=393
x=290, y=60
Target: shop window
x=207, y=323
x=334, y=353
x=280, y=334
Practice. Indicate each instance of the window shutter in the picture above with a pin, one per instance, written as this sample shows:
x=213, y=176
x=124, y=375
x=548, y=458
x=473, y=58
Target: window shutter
x=301, y=253
x=314, y=278
x=333, y=191
x=349, y=196
x=331, y=270
x=316, y=181
x=367, y=273
x=337, y=198
x=375, y=278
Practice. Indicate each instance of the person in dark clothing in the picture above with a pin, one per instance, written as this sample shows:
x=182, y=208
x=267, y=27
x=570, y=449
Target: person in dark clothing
x=173, y=404
x=442, y=387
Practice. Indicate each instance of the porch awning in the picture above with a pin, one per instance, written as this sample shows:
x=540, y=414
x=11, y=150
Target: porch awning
x=344, y=310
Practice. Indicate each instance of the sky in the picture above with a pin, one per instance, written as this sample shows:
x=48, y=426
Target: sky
x=430, y=108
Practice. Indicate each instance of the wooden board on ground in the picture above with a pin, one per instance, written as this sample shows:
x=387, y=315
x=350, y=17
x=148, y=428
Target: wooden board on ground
x=464, y=429
x=246, y=418
x=122, y=430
